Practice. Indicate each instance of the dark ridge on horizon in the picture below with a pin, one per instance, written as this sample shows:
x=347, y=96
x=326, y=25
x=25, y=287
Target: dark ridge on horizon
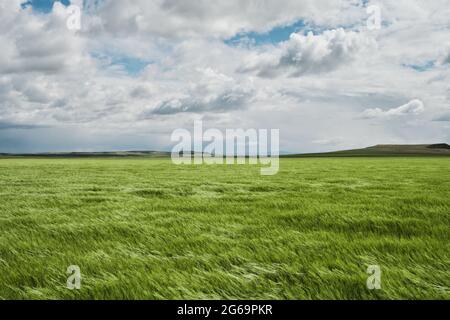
x=440, y=149
x=90, y=154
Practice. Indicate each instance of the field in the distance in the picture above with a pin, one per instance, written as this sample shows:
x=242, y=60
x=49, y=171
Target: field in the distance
x=146, y=229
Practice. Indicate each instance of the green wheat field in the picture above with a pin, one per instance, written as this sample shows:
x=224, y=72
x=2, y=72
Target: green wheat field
x=147, y=229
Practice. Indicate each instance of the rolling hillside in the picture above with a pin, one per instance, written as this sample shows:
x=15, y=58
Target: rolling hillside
x=387, y=150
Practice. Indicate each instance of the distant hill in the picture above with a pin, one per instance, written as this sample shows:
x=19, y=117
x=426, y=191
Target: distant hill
x=113, y=154
x=381, y=150
x=442, y=149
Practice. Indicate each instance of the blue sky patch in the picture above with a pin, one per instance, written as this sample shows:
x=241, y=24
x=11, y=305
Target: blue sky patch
x=44, y=6
x=276, y=35
x=421, y=67
x=131, y=65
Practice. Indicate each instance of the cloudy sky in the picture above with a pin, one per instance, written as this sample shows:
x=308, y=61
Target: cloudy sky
x=139, y=69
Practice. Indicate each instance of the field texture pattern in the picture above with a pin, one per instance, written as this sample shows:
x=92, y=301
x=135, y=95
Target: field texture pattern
x=147, y=229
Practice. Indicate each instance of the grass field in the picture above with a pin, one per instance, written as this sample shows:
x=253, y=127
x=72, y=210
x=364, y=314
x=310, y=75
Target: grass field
x=146, y=229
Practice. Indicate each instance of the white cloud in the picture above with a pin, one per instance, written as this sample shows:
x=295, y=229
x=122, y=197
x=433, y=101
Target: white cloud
x=225, y=101
x=414, y=107
x=36, y=43
x=219, y=18
x=303, y=54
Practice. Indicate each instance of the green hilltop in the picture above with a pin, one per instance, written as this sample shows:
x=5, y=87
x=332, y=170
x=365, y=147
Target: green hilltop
x=381, y=150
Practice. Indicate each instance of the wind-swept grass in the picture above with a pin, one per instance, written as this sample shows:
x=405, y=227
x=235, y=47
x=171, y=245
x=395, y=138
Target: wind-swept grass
x=146, y=229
